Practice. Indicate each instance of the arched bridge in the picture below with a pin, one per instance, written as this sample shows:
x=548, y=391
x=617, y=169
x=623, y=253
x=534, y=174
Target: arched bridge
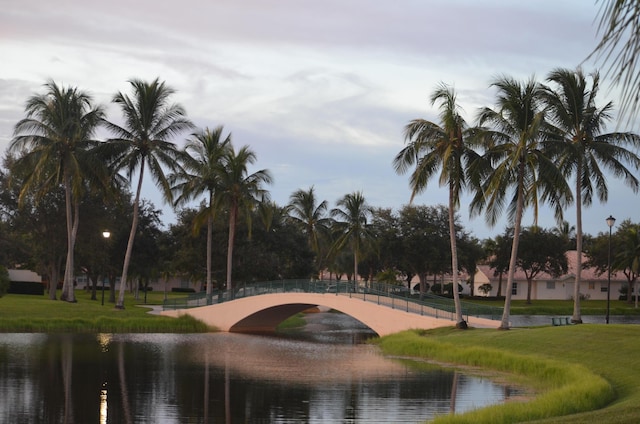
x=386, y=309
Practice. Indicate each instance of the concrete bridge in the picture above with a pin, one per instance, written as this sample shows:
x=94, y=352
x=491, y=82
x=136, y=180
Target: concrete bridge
x=263, y=310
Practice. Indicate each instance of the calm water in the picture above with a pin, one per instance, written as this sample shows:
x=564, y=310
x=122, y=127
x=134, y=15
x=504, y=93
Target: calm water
x=224, y=378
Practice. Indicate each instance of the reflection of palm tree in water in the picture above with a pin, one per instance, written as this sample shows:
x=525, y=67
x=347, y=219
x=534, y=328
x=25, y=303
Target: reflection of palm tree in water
x=67, y=368
x=454, y=392
x=227, y=390
x=123, y=384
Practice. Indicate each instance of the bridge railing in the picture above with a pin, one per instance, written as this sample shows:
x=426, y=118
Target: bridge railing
x=394, y=296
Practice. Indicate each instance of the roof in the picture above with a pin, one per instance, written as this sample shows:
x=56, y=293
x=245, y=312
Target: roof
x=23, y=275
x=587, y=274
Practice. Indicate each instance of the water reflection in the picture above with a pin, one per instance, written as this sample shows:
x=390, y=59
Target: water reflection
x=220, y=378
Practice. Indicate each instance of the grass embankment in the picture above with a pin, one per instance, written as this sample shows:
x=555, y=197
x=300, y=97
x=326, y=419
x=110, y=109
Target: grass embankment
x=38, y=314
x=561, y=307
x=583, y=374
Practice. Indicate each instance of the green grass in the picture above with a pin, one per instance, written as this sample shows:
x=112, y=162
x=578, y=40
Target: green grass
x=582, y=374
x=28, y=313
x=562, y=307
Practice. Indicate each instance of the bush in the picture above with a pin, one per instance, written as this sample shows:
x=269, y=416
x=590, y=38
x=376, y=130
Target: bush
x=26, y=287
x=183, y=290
x=4, y=280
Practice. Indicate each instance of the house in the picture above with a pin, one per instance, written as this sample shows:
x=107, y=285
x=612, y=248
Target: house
x=23, y=281
x=547, y=287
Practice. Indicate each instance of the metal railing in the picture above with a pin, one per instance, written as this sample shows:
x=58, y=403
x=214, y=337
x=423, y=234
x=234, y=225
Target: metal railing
x=393, y=296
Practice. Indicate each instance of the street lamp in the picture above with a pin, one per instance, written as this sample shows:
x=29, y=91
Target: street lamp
x=610, y=221
x=105, y=234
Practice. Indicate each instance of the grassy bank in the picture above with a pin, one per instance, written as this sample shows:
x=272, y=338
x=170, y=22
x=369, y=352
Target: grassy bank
x=38, y=314
x=582, y=374
x=562, y=307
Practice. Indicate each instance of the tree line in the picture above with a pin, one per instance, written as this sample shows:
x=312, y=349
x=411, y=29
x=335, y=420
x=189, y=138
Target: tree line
x=523, y=152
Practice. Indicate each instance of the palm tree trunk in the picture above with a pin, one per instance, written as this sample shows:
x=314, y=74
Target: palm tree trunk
x=132, y=235
x=577, y=317
x=68, y=269
x=209, y=248
x=355, y=264
x=232, y=234
x=506, y=313
x=460, y=322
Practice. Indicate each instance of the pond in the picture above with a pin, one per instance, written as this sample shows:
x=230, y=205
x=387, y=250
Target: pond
x=227, y=378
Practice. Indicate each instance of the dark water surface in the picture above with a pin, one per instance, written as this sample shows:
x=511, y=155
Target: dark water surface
x=225, y=378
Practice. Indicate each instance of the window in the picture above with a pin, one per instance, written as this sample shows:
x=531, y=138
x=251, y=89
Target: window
x=592, y=285
x=551, y=285
x=514, y=289
x=603, y=288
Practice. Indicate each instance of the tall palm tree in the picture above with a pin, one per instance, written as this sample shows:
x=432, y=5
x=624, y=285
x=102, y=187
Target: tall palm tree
x=239, y=191
x=585, y=150
x=143, y=143
x=54, y=140
x=443, y=147
x=620, y=43
x=352, y=213
x=515, y=142
x=310, y=216
x=200, y=175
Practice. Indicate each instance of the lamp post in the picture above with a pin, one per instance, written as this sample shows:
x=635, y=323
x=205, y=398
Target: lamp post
x=105, y=234
x=610, y=221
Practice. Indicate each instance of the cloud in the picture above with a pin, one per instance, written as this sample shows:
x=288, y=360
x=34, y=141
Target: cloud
x=320, y=90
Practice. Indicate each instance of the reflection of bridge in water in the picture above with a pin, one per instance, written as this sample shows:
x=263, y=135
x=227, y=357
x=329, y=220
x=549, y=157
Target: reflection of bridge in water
x=386, y=309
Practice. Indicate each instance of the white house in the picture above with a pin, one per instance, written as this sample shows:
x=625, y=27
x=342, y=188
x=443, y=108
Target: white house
x=24, y=275
x=544, y=286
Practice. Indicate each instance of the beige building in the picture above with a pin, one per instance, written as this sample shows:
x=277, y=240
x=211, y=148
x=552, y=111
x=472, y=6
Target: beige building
x=546, y=287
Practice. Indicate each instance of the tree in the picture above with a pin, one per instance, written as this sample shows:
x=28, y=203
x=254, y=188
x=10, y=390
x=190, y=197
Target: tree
x=515, y=144
x=4, y=280
x=620, y=28
x=143, y=143
x=239, y=191
x=627, y=257
x=311, y=217
x=541, y=251
x=585, y=150
x=352, y=213
x=425, y=240
x=443, y=147
x=200, y=175
x=55, y=138
x=471, y=253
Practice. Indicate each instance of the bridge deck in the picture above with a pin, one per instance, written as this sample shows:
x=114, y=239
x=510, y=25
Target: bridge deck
x=261, y=307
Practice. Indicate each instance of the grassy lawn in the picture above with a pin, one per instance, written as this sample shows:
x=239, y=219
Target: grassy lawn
x=562, y=307
x=583, y=373
x=28, y=313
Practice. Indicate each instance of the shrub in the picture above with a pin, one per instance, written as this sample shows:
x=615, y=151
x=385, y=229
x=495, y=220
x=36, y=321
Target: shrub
x=4, y=280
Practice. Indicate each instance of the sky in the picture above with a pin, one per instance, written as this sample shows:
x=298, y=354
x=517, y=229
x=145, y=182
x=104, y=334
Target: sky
x=320, y=90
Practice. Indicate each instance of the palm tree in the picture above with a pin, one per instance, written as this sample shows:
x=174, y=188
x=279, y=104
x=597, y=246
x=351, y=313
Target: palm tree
x=352, y=213
x=515, y=142
x=310, y=216
x=54, y=140
x=620, y=43
x=585, y=150
x=443, y=147
x=200, y=175
x=143, y=143
x=239, y=191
